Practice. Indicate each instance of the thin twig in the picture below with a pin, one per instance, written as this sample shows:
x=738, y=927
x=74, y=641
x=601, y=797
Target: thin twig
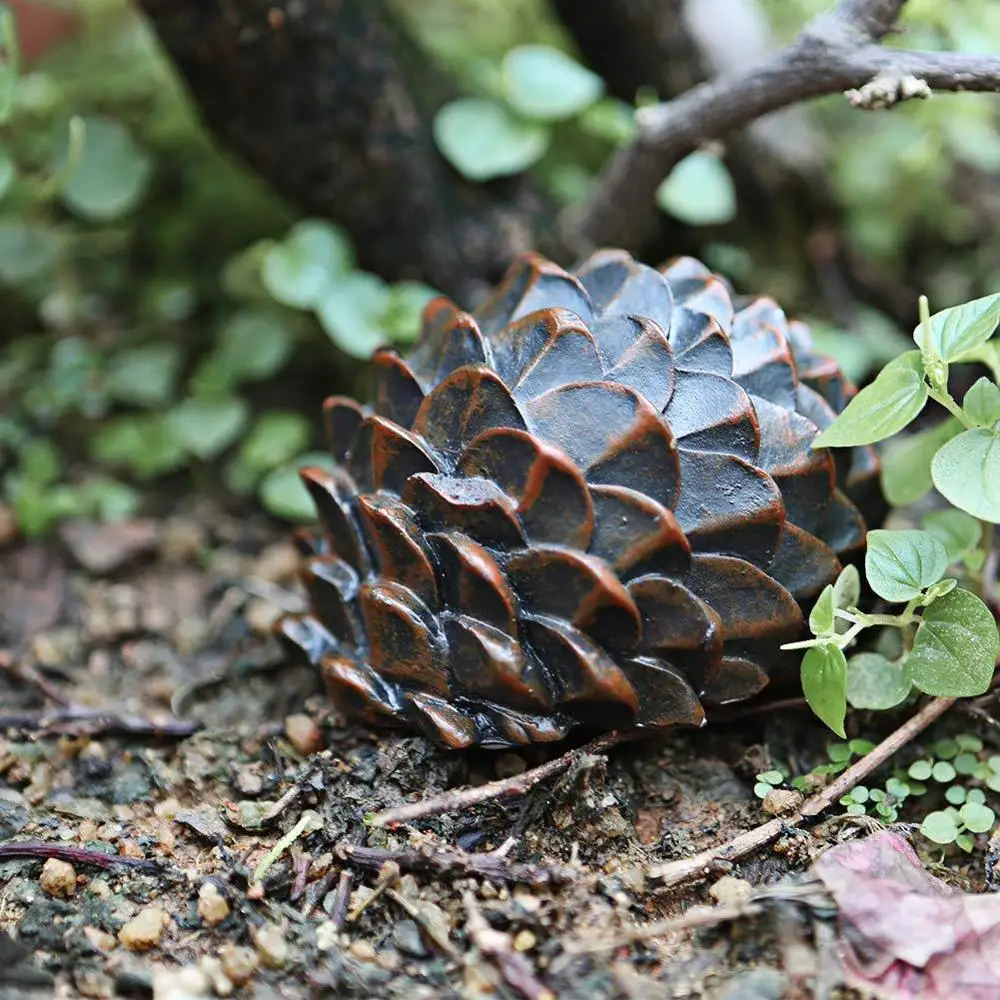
x=836, y=52
x=496, y=946
x=445, y=861
x=74, y=855
x=505, y=788
x=98, y=722
x=703, y=864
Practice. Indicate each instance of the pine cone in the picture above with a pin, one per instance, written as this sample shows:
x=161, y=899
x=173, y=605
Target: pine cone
x=593, y=501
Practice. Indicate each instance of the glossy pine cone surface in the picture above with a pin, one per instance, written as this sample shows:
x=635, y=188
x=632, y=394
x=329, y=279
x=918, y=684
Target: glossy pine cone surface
x=592, y=501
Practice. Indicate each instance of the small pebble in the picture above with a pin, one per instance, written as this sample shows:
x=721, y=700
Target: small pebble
x=189, y=983
x=58, y=878
x=303, y=734
x=524, y=941
x=101, y=940
x=145, y=929
x=731, y=891
x=238, y=963
x=94, y=983
x=779, y=801
x=271, y=946
x=212, y=907
x=363, y=951
x=212, y=968
x=406, y=935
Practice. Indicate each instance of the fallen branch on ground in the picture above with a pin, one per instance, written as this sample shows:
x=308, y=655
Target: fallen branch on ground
x=836, y=52
x=710, y=861
x=505, y=788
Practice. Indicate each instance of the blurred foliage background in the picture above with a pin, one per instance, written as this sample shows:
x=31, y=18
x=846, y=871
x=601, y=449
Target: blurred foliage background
x=171, y=323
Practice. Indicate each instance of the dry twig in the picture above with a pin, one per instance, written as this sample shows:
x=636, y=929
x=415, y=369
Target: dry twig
x=701, y=865
x=836, y=52
x=505, y=788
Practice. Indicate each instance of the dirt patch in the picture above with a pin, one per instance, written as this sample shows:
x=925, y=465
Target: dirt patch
x=192, y=816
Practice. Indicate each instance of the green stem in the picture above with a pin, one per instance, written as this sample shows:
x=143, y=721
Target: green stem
x=946, y=400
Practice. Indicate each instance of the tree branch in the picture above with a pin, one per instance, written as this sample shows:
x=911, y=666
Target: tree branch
x=835, y=52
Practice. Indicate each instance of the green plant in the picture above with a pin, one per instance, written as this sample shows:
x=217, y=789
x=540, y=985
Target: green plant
x=950, y=640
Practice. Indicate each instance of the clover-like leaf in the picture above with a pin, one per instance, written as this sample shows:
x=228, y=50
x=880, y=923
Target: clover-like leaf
x=960, y=532
x=941, y=827
x=873, y=682
x=824, y=683
x=966, y=471
x=297, y=270
x=881, y=409
x=977, y=818
x=961, y=328
x=955, y=648
x=900, y=564
x=906, y=462
x=847, y=588
x=699, y=191
x=207, y=426
x=982, y=402
x=482, y=140
x=542, y=82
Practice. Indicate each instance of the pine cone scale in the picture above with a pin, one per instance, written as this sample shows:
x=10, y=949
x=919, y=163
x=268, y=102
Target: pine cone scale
x=592, y=502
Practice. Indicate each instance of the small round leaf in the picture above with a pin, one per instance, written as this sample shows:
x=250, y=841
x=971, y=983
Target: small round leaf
x=955, y=648
x=298, y=269
x=873, y=682
x=542, y=82
x=966, y=471
x=982, y=402
x=699, y=191
x=906, y=464
x=207, y=426
x=482, y=140
x=977, y=817
x=958, y=531
x=900, y=564
x=939, y=827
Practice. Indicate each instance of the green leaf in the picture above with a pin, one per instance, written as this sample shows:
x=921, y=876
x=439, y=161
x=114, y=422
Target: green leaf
x=111, y=174
x=900, y=564
x=939, y=589
x=939, y=827
x=206, y=426
x=40, y=462
x=966, y=764
x=873, y=682
x=847, y=588
x=144, y=376
x=969, y=743
x=958, y=531
x=110, y=499
x=699, y=191
x=976, y=795
x=143, y=444
x=351, y=313
x=977, y=818
x=8, y=174
x=961, y=328
x=821, y=617
x=276, y=438
x=955, y=647
x=920, y=770
x=610, y=120
x=401, y=318
x=297, y=270
x=824, y=683
x=881, y=409
x=906, y=462
x=482, y=140
x=542, y=82
x=982, y=402
x=772, y=777
x=27, y=251
x=955, y=795
x=252, y=345
x=283, y=493
x=10, y=65
x=966, y=471
x=943, y=772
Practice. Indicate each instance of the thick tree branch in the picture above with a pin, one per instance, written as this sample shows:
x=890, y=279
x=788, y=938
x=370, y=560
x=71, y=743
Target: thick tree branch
x=837, y=51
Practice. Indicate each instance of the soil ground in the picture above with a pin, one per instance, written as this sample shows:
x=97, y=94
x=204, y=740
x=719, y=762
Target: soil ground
x=151, y=722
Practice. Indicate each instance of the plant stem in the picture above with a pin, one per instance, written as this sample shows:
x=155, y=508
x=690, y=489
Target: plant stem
x=946, y=400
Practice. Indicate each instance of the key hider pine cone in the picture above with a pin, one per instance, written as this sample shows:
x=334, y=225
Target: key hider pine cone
x=592, y=501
